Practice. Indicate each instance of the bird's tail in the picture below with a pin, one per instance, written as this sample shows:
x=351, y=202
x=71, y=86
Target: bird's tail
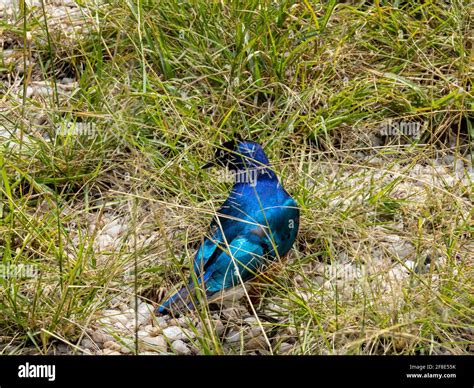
x=184, y=299
x=178, y=302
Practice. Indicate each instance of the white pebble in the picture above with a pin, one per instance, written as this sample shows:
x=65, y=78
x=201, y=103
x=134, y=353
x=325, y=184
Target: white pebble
x=86, y=343
x=174, y=333
x=285, y=347
x=128, y=345
x=233, y=336
x=219, y=327
x=161, y=322
x=157, y=344
x=257, y=343
x=211, y=324
x=110, y=352
x=67, y=81
x=119, y=318
x=114, y=231
x=101, y=337
x=112, y=316
x=179, y=347
x=410, y=264
x=251, y=320
x=112, y=345
x=145, y=313
x=104, y=241
x=155, y=331
x=183, y=321
x=142, y=334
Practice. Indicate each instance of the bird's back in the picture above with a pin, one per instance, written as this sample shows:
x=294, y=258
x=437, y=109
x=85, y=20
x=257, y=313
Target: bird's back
x=265, y=210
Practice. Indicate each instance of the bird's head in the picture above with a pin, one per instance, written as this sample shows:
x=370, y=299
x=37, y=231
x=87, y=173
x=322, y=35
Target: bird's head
x=239, y=155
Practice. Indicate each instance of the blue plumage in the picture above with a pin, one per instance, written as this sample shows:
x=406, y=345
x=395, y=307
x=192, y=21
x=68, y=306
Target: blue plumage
x=257, y=223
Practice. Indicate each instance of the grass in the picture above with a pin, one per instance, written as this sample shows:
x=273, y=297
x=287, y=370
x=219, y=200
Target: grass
x=155, y=86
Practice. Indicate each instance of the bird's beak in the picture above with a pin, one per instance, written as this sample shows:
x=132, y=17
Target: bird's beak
x=209, y=165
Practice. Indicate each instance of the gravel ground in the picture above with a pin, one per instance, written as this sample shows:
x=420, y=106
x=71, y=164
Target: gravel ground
x=114, y=330
x=117, y=329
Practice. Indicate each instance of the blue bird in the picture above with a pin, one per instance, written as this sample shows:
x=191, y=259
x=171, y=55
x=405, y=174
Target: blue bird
x=257, y=224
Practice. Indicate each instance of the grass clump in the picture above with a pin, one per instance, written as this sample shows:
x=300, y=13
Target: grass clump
x=107, y=113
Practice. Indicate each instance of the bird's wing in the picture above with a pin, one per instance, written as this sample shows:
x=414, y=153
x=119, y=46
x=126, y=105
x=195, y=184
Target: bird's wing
x=280, y=221
x=225, y=223
x=209, y=245
x=227, y=266
x=238, y=262
x=237, y=224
